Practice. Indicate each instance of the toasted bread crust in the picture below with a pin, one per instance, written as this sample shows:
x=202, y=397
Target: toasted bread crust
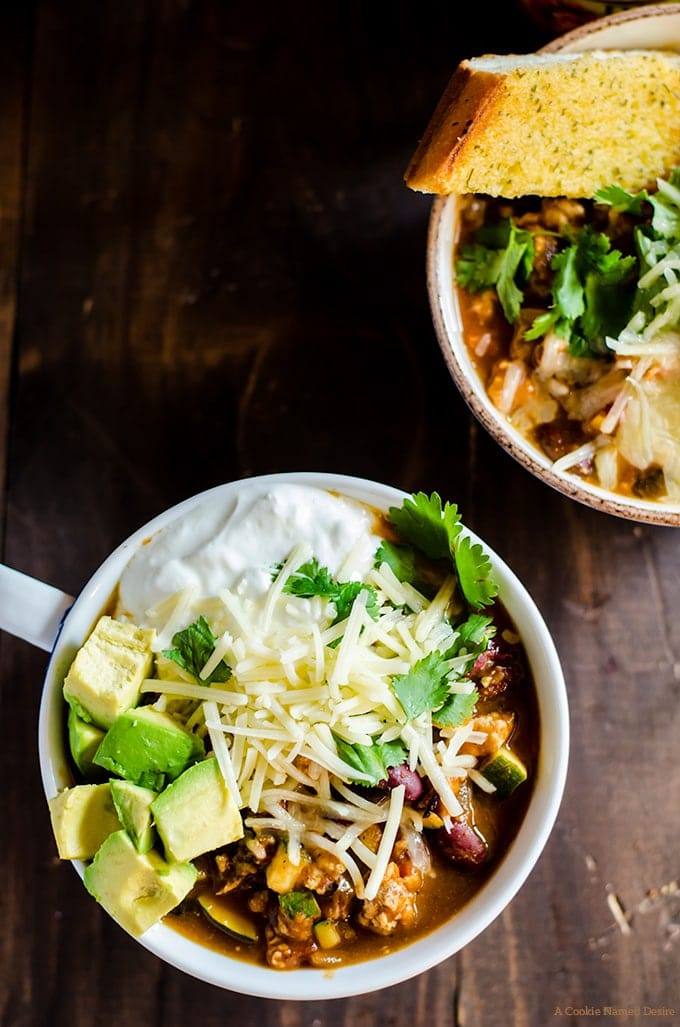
x=552, y=125
x=467, y=104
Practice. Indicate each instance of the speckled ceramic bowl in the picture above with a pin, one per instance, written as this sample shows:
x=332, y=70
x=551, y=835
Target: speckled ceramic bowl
x=36, y=605
x=654, y=26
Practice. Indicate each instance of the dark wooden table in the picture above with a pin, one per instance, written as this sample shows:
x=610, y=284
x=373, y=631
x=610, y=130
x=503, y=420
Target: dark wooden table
x=210, y=268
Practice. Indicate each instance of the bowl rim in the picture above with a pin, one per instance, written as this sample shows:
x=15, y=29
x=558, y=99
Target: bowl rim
x=375, y=974
x=593, y=28
x=448, y=328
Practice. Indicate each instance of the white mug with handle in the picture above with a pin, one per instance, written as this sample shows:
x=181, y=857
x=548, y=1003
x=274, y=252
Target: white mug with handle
x=31, y=609
x=58, y=623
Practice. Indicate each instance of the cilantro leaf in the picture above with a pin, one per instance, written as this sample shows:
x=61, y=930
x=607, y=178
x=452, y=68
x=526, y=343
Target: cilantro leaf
x=194, y=646
x=436, y=531
x=568, y=287
x=519, y=254
x=494, y=235
x=400, y=558
x=345, y=595
x=665, y=204
x=312, y=580
x=607, y=309
x=501, y=256
x=373, y=760
x=621, y=201
x=478, y=267
x=578, y=346
x=456, y=710
x=542, y=324
x=594, y=253
x=422, y=521
x=426, y=687
x=475, y=573
x=472, y=636
x=592, y=289
x=591, y=294
x=423, y=687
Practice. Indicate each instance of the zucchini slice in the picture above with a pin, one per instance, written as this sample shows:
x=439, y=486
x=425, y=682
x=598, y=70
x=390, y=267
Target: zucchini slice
x=223, y=914
x=505, y=770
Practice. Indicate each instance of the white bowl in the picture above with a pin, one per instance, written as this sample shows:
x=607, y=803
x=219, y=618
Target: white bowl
x=261, y=981
x=653, y=26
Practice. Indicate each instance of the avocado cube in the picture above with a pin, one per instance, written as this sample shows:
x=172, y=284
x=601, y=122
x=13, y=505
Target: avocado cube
x=133, y=806
x=82, y=817
x=106, y=675
x=84, y=739
x=148, y=747
x=197, y=813
x=136, y=888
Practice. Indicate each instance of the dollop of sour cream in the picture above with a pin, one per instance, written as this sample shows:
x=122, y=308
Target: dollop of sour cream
x=235, y=541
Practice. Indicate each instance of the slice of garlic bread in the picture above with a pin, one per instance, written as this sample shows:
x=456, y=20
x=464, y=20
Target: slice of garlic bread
x=553, y=124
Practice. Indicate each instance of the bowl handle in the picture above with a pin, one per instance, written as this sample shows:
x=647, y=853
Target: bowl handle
x=31, y=609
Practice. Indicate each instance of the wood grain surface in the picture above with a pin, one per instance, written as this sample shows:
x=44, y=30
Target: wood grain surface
x=210, y=268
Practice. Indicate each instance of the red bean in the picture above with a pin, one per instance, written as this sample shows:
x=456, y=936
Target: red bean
x=403, y=775
x=498, y=667
x=461, y=843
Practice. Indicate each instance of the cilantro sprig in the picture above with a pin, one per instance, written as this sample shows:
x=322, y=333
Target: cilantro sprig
x=591, y=294
x=595, y=290
x=622, y=201
x=437, y=531
x=425, y=687
x=194, y=646
x=593, y=286
x=502, y=257
x=310, y=579
x=456, y=710
x=472, y=637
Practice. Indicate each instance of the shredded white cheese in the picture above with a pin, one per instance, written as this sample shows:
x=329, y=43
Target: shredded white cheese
x=386, y=842
x=297, y=682
x=577, y=456
x=220, y=748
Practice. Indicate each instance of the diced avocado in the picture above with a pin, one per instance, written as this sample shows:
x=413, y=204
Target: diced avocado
x=505, y=770
x=82, y=817
x=133, y=805
x=197, y=812
x=84, y=740
x=222, y=912
x=106, y=675
x=148, y=747
x=136, y=888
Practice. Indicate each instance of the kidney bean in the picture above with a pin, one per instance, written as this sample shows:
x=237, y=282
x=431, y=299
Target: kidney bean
x=461, y=843
x=498, y=668
x=403, y=775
